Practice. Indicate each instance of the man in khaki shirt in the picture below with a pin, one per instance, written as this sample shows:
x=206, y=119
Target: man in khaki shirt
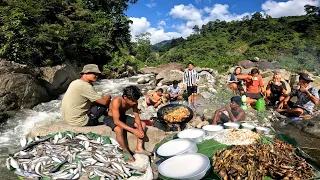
x=81, y=104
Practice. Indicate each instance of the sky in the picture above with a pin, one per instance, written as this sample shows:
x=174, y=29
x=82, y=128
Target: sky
x=168, y=19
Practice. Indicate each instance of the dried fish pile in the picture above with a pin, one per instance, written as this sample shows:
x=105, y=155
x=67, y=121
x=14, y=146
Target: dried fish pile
x=69, y=157
x=253, y=162
x=235, y=137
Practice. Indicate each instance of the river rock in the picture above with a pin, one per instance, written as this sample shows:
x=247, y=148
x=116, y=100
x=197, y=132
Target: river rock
x=153, y=135
x=255, y=59
x=265, y=65
x=167, y=77
x=206, y=95
x=208, y=115
x=56, y=79
x=158, y=69
x=142, y=80
x=12, y=67
x=20, y=91
x=245, y=64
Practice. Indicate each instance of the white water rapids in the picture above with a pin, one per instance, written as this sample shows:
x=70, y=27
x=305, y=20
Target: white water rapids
x=45, y=113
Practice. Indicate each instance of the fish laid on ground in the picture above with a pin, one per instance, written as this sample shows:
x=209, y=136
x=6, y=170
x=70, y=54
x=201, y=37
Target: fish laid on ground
x=68, y=157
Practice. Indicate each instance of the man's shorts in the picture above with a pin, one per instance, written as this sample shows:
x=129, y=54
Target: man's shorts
x=95, y=113
x=191, y=90
x=305, y=112
x=128, y=120
x=254, y=95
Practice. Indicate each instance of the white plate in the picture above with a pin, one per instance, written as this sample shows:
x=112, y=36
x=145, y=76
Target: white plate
x=176, y=147
x=185, y=166
x=247, y=126
x=231, y=125
x=195, y=134
x=212, y=128
x=263, y=130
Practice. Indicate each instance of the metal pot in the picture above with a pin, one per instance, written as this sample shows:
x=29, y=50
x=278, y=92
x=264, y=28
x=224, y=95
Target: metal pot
x=161, y=111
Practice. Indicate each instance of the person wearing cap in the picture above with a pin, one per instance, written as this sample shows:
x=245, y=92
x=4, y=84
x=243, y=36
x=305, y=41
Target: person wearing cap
x=81, y=104
x=276, y=89
x=173, y=92
x=307, y=97
x=232, y=113
x=254, y=83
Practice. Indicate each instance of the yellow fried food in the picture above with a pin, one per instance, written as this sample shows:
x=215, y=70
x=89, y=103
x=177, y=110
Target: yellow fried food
x=177, y=115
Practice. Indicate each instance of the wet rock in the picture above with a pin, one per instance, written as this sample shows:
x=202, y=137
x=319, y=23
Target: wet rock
x=153, y=135
x=206, y=95
x=167, y=77
x=143, y=80
x=246, y=64
x=3, y=117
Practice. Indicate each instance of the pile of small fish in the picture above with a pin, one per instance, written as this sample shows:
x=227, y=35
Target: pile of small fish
x=69, y=157
x=235, y=137
x=255, y=161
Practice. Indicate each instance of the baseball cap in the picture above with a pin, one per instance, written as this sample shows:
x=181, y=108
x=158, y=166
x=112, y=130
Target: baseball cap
x=305, y=77
x=90, y=68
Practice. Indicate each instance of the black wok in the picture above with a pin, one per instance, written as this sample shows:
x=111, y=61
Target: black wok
x=161, y=111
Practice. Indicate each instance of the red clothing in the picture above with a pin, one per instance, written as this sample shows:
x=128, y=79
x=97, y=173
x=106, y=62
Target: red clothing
x=253, y=86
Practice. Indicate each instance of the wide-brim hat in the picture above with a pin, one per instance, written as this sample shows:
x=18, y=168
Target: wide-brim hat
x=306, y=77
x=90, y=68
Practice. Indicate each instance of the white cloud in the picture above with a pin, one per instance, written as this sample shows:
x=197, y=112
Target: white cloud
x=142, y=25
x=151, y=4
x=289, y=8
x=188, y=12
x=162, y=23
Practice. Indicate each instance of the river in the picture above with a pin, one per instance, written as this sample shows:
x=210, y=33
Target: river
x=45, y=113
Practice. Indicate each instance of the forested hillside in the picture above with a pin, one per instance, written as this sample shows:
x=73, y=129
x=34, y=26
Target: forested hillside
x=293, y=41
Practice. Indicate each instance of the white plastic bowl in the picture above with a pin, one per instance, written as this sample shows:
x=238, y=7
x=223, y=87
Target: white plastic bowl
x=247, y=126
x=231, y=125
x=185, y=166
x=263, y=130
x=212, y=129
x=177, y=147
x=197, y=135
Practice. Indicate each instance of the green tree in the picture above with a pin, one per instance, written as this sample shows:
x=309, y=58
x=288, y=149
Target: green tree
x=143, y=48
x=41, y=32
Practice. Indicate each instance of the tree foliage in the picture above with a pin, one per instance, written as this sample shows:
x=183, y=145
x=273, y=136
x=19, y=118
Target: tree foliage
x=292, y=41
x=43, y=32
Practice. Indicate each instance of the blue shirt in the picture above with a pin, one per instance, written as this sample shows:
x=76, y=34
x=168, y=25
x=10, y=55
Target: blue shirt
x=304, y=100
x=173, y=90
x=233, y=78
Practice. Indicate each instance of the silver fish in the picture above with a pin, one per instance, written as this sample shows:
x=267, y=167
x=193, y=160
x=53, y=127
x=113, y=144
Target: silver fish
x=14, y=163
x=23, y=142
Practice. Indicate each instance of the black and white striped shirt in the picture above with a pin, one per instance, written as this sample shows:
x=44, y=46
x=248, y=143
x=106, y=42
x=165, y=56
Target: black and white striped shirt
x=190, y=77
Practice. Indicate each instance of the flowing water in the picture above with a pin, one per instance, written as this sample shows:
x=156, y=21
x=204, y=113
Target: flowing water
x=45, y=113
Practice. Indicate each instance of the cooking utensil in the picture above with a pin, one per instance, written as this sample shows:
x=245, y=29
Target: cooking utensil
x=197, y=135
x=163, y=109
x=212, y=129
x=263, y=130
x=177, y=147
x=191, y=166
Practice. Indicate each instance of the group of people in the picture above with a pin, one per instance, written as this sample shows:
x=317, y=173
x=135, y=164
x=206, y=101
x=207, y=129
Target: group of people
x=83, y=106
x=276, y=93
x=174, y=92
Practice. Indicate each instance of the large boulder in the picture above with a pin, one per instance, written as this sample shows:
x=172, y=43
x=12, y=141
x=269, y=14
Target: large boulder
x=264, y=65
x=12, y=67
x=167, y=77
x=158, y=69
x=246, y=64
x=153, y=135
x=206, y=77
x=20, y=91
x=56, y=79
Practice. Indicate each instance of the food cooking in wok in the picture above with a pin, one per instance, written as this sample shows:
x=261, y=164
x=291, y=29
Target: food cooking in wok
x=175, y=114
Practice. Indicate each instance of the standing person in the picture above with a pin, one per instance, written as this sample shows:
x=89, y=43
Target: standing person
x=307, y=95
x=191, y=78
x=232, y=113
x=155, y=98
x=119, y=122
x=173, y=93
x=234, y=83
x=276, y=89
x=81, y=104
x=254, y=84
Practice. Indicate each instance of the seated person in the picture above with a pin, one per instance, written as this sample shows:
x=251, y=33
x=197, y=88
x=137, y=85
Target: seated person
x=119, y=122
x=81, y=104
x=276, y=89
x=307, y=96
x=155, y=98
x=232, y=113
x=254, y=84
x=173, y=93
x=234, y=83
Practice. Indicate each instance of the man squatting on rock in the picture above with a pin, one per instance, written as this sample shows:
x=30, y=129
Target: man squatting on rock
x=81, y=104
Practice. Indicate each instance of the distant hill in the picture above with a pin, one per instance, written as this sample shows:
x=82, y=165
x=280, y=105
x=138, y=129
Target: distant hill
x=161, y=44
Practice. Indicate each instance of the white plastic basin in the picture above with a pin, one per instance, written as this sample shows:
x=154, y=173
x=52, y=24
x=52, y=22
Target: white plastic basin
x=196, y=135
x=231, y=125
x=247, y=126
x=263, y=130
x=176, y=147
x=186, y=166
x=212, y=129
